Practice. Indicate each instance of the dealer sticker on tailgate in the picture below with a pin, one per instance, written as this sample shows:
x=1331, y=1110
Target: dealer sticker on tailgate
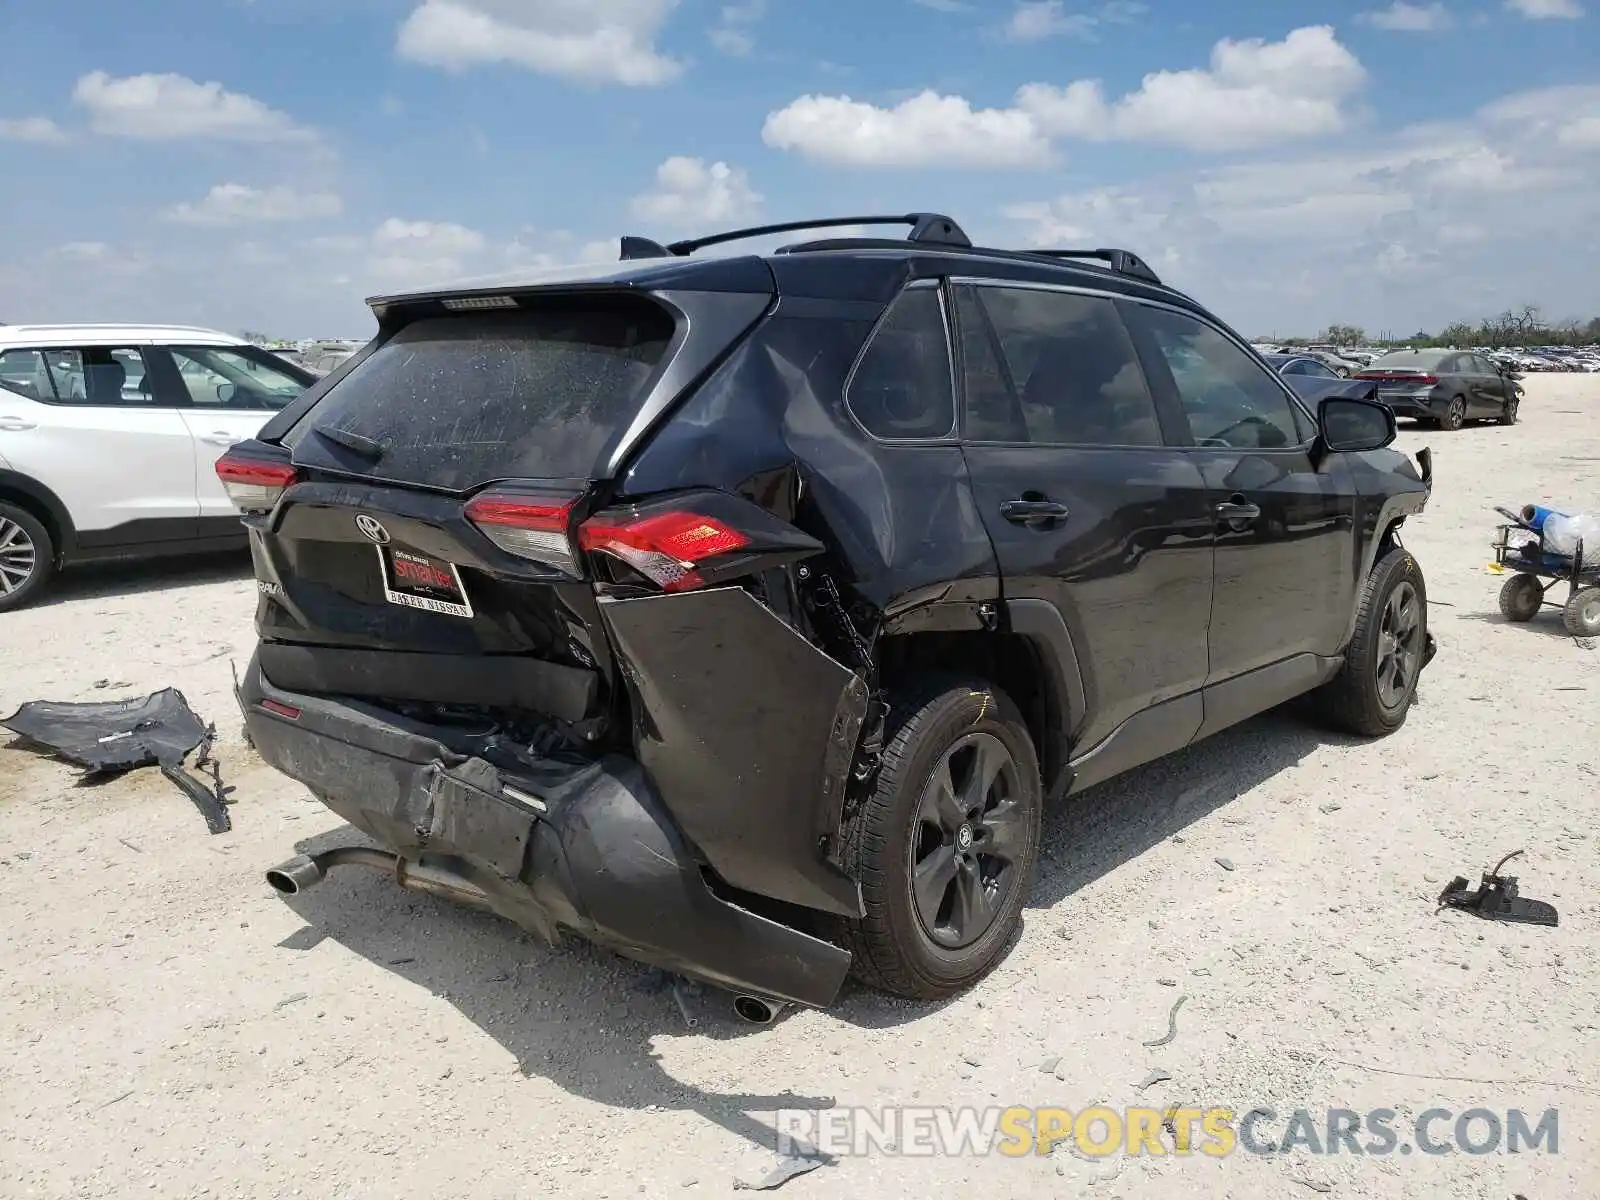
x=420, y=581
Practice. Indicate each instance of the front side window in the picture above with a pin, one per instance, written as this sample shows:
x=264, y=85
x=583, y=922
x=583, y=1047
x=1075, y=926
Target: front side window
x=1054, y=368
x=902, y=388
x=1229, y=398
x=227, y=377
x=95, y=376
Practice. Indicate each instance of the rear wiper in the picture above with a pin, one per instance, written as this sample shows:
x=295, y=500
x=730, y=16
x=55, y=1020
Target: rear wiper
x=364, y=446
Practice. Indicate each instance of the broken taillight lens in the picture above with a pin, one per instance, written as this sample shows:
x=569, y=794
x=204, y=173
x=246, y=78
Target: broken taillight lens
x=531, y=527
x=664, y=547
x=254, y=485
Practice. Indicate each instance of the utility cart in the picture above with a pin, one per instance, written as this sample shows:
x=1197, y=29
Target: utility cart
x=1538, y=569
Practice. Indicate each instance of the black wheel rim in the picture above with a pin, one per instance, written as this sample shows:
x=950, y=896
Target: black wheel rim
x=18, y=556
x=968, y=833
x=1399, y=645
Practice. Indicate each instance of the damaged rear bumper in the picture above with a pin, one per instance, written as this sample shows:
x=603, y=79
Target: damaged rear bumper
x=590, y=848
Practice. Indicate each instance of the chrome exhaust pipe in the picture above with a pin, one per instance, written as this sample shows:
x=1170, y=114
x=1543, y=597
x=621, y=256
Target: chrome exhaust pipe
x=307, y=870
x=757, y=1010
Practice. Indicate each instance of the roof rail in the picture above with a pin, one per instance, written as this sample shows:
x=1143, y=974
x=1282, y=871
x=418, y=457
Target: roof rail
x=1123, y=262
x=929, y=228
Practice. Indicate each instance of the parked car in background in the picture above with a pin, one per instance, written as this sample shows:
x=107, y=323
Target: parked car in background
x=1446, y=388
x=322, y=358
x=108, y=437
x=1312, y=381
x=749, y=638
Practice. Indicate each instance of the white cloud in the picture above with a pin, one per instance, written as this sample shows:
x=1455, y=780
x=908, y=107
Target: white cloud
x=1254, y=93
x=1288, y=244
x=234, y=203
x=1402, y=17
x=689, y=192
x=596, y=41
x=925, y=130
x=41, y=130
x=417, y=253
x=1034, y=20
x=166, y=107
x=732, y=34
x=1581, y=132
x=1544, y=10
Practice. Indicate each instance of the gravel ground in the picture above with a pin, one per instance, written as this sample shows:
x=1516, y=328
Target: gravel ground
x=173, y=1028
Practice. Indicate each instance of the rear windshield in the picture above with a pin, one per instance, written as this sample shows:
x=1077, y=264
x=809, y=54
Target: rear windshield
x=458, y=401
x=1406, y=360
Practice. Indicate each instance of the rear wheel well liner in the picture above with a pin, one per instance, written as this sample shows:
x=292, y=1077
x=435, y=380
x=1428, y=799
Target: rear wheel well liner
x=1017, y=663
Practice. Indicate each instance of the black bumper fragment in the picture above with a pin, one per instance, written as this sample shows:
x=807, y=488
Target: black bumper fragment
x=603, y=859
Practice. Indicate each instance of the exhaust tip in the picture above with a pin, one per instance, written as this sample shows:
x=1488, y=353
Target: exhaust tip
x=295, y=876
x=755, y=1010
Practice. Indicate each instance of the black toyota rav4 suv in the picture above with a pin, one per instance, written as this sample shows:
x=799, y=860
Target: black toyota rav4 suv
x=743, y=614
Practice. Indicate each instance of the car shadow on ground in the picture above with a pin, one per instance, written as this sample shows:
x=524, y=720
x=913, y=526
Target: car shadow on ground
x=583, y=1018
x=104, y=580
x=1548, y=620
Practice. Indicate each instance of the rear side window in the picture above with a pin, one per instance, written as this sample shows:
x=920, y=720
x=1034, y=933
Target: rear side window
x=458, y=401
x=902, y=387
x=1054, y=368
x=95, y=376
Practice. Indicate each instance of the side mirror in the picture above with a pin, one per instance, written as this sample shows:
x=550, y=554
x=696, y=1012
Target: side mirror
x=1348, y=424
x=224, y=393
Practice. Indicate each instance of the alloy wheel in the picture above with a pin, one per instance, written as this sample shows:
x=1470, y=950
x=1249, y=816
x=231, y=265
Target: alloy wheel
x=1456, y=415
x=1399, y=646
x=968, y=832
x=19, y=557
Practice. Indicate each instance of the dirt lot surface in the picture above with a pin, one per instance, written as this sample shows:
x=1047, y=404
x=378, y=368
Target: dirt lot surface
x=173, y=1028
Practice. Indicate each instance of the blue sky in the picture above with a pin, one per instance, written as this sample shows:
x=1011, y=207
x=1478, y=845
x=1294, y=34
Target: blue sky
x=266, y=164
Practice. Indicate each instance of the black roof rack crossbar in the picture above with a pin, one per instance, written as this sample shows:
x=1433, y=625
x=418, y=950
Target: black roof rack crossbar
x=1123, y=262
x=931, y=228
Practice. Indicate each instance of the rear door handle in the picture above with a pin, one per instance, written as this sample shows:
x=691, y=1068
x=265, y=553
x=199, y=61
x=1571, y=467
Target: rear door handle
x=1238, y=509
x=1033, y=512
x=16, y=425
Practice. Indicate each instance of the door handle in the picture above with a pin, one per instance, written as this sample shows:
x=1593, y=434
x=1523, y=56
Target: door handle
x=1237, y=508
x=220, y=438
x=16, y=425
x=1033, y=512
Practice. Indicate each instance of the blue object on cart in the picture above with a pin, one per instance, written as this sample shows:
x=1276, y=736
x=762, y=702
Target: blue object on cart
x=1536, y=516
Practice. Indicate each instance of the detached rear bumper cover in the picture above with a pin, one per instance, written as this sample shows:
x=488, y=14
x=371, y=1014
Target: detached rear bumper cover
x=605, y=859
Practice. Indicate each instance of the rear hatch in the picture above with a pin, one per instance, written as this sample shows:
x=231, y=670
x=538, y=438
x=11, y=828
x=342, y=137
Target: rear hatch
x=419, y=525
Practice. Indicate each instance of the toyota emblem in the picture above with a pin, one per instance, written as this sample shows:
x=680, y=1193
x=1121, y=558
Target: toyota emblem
x=372, y=530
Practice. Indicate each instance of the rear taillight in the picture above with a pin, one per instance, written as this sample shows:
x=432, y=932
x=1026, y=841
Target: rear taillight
x=254, y=485
x=1388, y=377
x=531, y=527
x=664, y=547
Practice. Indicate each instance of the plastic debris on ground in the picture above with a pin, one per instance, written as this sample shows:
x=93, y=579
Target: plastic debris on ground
x=111, y=738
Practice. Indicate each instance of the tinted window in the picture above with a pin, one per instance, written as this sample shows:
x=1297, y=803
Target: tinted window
x=1318, y=370
x=536, y=394
x=1229, y=398
x=1054, y=368
x=902, y=387
x=100, y=376
x=224, y=377
x=1297, y=366
x=1409, y=360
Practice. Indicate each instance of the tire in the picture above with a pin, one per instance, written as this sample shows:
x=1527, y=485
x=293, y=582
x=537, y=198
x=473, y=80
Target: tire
x=1455, y=416
x=956, y=723
x=1581, y=615
x=1367, y=697
x=27, y=557
x=1521, y=597
x=1508, y=415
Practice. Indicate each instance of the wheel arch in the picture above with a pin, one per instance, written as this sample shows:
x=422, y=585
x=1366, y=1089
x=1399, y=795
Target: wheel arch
x=1033, y=662
x=45, y=506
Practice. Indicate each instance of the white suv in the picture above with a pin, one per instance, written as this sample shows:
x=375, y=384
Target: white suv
x=108, y=435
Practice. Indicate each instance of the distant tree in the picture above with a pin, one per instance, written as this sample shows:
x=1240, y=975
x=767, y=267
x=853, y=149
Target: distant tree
x=1344, y=335
x=254, y=337
x=1457, y=334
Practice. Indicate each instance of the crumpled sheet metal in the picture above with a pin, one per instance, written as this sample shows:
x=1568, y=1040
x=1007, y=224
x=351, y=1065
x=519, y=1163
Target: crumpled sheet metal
x=113, y=737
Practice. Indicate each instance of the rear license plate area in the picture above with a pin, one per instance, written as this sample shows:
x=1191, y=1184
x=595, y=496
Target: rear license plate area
x=416, y=580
